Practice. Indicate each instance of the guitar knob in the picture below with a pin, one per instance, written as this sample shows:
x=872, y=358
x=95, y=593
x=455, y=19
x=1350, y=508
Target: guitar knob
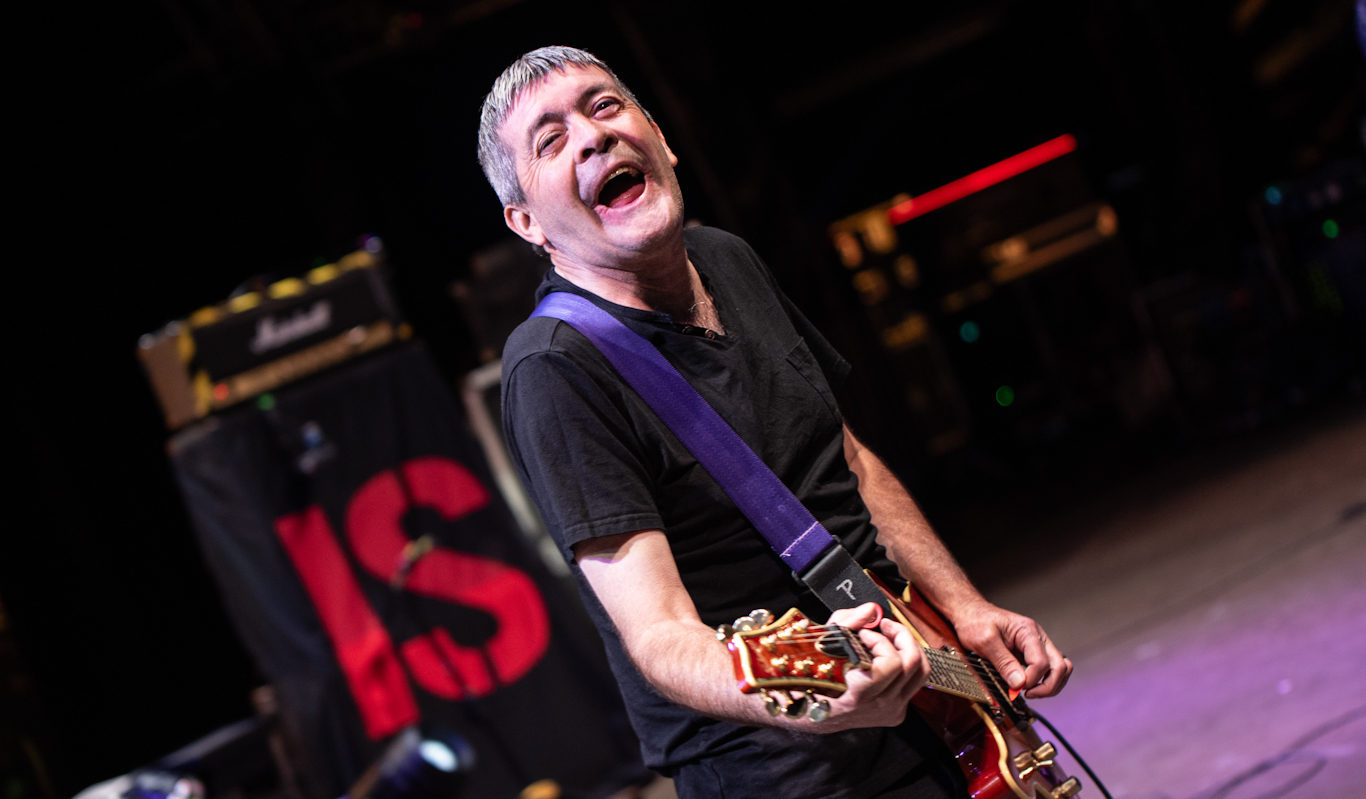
x=820, y=710
x=1069, y=788
x=761, y=617
x=1045, y=752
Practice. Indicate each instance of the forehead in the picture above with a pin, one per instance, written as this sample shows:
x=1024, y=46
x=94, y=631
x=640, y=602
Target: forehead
x=556, y=93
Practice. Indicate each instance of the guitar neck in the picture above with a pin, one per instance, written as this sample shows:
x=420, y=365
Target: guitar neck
x=949, y=672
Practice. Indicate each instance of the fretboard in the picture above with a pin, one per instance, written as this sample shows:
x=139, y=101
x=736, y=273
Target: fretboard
x=950, y=674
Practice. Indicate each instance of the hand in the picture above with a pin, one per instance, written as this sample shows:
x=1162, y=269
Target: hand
x=878, y=696
x=1018, y=647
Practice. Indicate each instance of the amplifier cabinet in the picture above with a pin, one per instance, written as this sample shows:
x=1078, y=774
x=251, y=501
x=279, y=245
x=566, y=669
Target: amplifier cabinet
x=258, y=341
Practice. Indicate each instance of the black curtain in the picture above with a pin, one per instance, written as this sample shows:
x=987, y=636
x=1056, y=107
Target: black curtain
x=379, y=582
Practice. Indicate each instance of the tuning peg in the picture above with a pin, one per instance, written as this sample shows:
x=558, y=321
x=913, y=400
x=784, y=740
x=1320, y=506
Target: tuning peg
x=761, y=617
x=796, y=708
x=771, y=703
x=724, y=632
x=820, y=710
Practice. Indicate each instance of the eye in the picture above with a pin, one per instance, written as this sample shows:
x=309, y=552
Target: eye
x=545, y=143
x=605, y=103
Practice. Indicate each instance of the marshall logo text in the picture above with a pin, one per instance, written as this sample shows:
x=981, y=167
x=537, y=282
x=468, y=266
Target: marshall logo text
x=273, y=333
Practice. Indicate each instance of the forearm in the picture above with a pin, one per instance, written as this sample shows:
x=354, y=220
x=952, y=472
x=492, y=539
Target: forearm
x=637, y=582
x=922, y=558
x=906, y=535
x=685, y=663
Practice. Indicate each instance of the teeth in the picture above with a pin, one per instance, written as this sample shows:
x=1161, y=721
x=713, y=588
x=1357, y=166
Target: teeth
x=621, y=170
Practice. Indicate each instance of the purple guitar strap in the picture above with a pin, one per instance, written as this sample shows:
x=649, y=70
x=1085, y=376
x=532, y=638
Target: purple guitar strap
x=798, y=538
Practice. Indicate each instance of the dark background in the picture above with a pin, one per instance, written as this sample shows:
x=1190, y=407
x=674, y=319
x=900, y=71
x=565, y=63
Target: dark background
x=165, y=152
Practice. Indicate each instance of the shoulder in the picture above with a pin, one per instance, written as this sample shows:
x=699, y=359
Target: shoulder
x=541, y=335
x=532, y=337
x=547, y=358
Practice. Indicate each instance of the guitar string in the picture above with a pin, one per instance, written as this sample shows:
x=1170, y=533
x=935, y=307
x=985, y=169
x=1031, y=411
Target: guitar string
x=818, y=636
x=946, y=670
x=970, y=675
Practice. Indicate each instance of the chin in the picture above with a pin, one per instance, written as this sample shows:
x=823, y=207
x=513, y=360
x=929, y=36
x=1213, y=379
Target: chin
x=653, y=227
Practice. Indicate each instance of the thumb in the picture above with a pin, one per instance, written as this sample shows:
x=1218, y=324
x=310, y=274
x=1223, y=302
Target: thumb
x=861, y=617
x=1005, y=661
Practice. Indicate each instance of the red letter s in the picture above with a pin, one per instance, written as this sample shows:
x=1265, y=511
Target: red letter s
x=374, y=530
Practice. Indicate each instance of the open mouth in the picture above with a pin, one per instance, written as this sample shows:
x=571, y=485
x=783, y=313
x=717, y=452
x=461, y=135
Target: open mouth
x=623, y=188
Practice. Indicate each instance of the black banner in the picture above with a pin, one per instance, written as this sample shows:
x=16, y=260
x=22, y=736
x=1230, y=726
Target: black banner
x=379, y=580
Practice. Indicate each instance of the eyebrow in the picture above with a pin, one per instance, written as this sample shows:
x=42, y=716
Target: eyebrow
x=556, y=116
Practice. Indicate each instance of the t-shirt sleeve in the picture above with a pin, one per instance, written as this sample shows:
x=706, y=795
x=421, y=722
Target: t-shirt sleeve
x=577, y=451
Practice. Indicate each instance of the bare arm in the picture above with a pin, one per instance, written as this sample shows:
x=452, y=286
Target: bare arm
x=635, y=578
x=1017, y=645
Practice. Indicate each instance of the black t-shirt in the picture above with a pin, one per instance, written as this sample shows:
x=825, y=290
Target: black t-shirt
x=599, y=462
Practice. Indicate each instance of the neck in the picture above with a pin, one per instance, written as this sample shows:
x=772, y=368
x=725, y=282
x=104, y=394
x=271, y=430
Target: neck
x=664, y=281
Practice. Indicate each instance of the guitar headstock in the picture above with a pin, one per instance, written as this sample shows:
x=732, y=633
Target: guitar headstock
x=791, y=654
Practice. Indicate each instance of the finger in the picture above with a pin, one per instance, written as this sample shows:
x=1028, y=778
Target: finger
x=995, y=650
x=1029, y=641
x=886, y=669
x=884, y=651
x=1054, y=683
x=866, y=615
x=1059, y=670
x=907, y=646
x=915, y=669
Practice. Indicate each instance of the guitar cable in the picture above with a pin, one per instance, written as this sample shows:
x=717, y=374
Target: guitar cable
x=1073, y=753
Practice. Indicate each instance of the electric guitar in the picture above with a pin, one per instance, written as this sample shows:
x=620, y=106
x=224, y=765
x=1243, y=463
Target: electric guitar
x=985, y=724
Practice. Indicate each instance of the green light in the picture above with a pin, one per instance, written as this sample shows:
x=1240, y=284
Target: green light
x=266, y=402
x=1330, y=228
x=1273, y=195
x=969, y=332
x=1005, y=395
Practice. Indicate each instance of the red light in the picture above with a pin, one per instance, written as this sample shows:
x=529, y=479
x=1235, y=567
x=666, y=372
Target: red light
x=220, y=392
x=981, y=179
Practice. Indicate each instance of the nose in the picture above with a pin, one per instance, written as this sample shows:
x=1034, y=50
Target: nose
x=594, y=139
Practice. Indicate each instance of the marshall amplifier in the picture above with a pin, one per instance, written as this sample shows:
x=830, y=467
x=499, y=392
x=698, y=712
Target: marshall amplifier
x=256, y=342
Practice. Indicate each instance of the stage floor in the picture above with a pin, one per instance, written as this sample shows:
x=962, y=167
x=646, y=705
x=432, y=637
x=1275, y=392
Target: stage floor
x=1216, y=613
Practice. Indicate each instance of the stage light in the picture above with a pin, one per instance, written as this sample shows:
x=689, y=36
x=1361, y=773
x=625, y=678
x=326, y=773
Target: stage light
x=969, y=331
x=1273, y=195
x=1330, y=228
x=417, y=766
x=438, y=754
x=981, y=179
x=266, y=402
x=1005, y=395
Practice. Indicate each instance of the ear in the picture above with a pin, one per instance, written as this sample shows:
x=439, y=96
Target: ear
x=673, y=159
x=521, y=222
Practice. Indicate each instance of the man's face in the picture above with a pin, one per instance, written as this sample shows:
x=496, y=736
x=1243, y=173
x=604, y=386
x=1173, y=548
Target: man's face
x=598, y=178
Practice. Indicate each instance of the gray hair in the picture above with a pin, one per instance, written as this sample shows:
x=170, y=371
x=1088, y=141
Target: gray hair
x=497, y=162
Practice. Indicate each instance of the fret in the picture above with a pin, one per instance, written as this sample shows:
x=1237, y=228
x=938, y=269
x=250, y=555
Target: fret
x=950, y=674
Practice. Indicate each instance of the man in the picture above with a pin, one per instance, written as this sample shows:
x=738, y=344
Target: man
x=660, y=553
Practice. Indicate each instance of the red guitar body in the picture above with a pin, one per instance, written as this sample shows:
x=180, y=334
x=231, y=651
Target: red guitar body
x=985, y=725
x=993, y=745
